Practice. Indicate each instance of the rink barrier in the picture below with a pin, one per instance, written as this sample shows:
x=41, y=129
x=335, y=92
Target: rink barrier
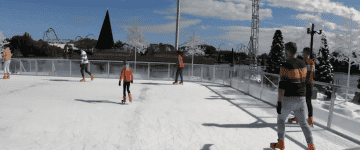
x=237, y=77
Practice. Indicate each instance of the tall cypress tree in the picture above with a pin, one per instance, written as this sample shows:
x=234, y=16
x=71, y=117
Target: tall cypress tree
x=105, y=40
x=324, y=72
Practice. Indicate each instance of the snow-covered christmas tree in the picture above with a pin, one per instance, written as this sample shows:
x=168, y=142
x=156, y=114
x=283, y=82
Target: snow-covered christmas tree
x=324, y=72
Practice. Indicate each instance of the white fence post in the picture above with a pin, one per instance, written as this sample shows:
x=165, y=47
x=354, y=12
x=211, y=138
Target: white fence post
x=108, y=69
x=168, y=71
x=19, y=66
x=201, y=73
x=148, y=71
x=331, y=107
x=214, y=74
x=262, y=83
x=52, y=68
x=70, y=69
x=36, y=66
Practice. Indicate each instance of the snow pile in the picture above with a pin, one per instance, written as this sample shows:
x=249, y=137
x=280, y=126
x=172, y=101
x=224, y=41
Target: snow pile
x=340, y=106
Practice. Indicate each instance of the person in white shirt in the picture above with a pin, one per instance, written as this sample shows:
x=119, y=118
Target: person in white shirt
x=83, y=66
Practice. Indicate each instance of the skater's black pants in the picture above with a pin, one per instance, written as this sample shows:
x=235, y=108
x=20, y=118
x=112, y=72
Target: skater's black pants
x=126, y=85
x=84, y=67
x=309, y=92
x=179, y=72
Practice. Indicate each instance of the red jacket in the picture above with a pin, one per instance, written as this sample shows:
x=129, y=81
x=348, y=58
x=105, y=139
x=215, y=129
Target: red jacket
x=127, y=75
x=180, y=63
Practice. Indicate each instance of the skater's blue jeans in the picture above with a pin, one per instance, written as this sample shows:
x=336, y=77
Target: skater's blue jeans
x=7, y=66
x=296, y=104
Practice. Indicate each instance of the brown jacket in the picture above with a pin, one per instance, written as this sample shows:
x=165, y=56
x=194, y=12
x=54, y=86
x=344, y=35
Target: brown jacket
x=7, y=54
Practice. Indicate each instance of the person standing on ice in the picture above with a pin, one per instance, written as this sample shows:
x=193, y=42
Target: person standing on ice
x=7, y=58
x=128, y=77
x=292, y=96
x=84, y=65
x=180, y=66
x=309, y=84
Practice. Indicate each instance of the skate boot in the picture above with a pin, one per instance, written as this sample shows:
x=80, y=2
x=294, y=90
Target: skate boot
x=92, y=77
x=130, y=99
x=175, y=83
x=311, y=147
x=124, y=100
x=280, y=145
x=181, y=83
x=83, y=80
x=8, y=76
x=5, y=76
x=293, y=119
x=311, y=121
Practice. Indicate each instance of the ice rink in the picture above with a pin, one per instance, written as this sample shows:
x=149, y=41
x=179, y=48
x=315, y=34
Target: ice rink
x=61, y=113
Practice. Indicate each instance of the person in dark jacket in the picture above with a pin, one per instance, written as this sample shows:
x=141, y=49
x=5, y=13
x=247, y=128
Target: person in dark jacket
x=180, y=66
x=292, y=93
x=309, y=84
x=128, y=77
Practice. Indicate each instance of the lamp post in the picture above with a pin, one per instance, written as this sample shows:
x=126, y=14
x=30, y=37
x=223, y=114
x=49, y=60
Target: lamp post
x=310, y=30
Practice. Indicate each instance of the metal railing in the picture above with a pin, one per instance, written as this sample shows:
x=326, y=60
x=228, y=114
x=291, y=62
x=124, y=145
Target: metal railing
x=204, y=73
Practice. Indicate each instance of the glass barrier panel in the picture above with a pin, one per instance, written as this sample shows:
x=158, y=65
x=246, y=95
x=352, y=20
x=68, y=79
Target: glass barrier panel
x=269, y=92
x=116, y=68
x=28, y=66
x=207, y=73
x=242, y=82
x=141, y=72
x=14, y=66
x=219, y=75
x=227, y=74
x=62, y=68
x=44, y=67
x=196, y=76
x=255, y=85
x=98, y=68
x=346, y=113
x=75, y=68
x=159, y=71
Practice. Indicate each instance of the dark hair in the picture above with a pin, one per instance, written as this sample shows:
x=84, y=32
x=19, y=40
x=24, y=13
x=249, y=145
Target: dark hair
x=307, y=50
x=291, y=47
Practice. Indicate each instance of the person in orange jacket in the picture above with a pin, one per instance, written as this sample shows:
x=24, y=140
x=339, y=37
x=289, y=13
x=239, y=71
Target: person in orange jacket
x=128, y=77
x=7, y=58
x=180, y=66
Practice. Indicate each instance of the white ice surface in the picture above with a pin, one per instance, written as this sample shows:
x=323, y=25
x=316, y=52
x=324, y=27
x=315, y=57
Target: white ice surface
x=44, y=112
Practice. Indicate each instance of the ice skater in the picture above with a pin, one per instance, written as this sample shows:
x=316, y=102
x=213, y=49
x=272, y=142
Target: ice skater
x=83, y=66
x=7, y=58
x=128, y=77
x=292, y=96
x=180, y=66
x=309, y=85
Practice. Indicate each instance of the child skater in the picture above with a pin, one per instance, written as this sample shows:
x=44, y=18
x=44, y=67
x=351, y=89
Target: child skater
x=128, y=77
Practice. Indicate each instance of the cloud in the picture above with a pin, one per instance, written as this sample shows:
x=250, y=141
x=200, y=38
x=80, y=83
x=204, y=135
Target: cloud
x=168, y=28
x=317, y=19
x=321, y=6
x=228, y=10
x=241, y=34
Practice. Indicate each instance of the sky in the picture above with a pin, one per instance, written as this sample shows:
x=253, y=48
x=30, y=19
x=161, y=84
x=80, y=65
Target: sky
x=220, y=23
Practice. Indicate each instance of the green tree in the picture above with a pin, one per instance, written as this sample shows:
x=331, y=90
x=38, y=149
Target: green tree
x=324, y=71
x=119, y=44
x=276, y=55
